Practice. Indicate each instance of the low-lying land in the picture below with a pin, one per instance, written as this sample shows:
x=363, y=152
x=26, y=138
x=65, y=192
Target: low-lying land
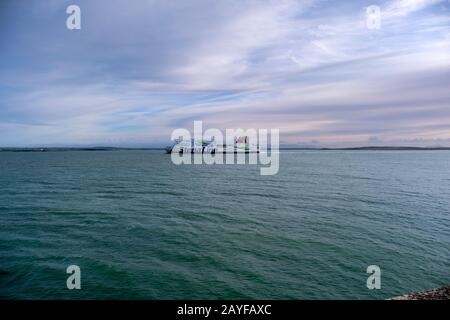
x=59, y=149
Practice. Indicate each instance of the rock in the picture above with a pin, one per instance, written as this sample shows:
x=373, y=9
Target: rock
x=434, y=294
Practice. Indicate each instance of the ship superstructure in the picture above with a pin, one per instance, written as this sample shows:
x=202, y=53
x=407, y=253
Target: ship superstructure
x=241, y=144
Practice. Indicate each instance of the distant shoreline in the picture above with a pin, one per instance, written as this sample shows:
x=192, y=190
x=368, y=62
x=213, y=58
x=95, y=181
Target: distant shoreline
x=373, y=148
x=62, y=149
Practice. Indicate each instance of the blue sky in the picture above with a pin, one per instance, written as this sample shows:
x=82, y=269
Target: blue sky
x=139, y=69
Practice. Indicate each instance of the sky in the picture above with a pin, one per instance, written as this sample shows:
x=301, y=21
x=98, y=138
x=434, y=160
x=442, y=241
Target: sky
x=137, y=70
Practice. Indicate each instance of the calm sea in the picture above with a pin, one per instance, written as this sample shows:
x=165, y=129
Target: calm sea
x=140, y=227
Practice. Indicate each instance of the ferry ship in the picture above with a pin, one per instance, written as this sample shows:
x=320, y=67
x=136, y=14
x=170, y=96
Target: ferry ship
x=240, y=145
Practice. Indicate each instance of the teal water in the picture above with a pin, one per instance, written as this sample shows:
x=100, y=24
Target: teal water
x=140, y=227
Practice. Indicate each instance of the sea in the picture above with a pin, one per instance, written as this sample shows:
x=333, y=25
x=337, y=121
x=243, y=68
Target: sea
x=140, y=227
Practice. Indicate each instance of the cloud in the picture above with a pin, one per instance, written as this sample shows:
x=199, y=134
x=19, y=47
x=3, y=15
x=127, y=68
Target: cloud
x=401, y=8
x=138, y=70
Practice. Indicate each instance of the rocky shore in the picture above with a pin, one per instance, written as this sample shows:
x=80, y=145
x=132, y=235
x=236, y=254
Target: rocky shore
x=434, y=294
